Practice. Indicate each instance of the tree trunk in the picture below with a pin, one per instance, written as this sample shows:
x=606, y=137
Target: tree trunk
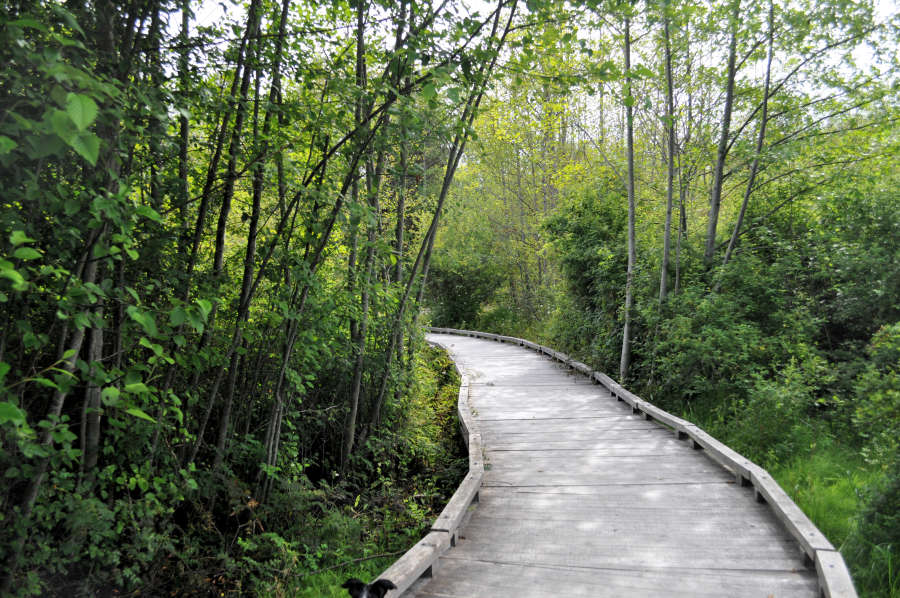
x=92, y=396
x=247, y=281
x=715, y=197
x=670, y=158
x=184, y=124
x=219, y=255
x=760, y=141
x=625, y=359
x=359, y=330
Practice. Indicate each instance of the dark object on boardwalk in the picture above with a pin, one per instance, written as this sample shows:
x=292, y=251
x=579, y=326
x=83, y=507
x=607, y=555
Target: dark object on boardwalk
x=378, y=589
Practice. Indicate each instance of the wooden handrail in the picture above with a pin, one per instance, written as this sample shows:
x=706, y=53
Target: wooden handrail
x=421, y=559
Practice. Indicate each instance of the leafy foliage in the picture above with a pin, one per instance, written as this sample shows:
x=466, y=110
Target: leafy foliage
x=214, y=232
x=778, y=328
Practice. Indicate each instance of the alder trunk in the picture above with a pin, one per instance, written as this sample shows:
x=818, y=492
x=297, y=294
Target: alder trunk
x=625, y=360
x=715, y=196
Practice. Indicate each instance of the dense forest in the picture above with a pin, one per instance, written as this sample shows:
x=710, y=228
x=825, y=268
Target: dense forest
x=701, y=200
x=225, y=225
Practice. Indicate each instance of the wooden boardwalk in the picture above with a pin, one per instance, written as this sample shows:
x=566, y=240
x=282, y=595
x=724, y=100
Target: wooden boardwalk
x=580, y=497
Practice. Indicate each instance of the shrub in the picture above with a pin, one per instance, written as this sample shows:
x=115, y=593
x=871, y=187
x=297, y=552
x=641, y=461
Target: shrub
x=877, y=415
x=873, y=550
x=773, y=424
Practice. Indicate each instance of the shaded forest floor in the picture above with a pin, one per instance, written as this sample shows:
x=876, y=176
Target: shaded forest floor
x=407, y=481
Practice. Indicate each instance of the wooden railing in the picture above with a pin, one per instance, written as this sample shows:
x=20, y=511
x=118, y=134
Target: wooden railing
x=421, y=560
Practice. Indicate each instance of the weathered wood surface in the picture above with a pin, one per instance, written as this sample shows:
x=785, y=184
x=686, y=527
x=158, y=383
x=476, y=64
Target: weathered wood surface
x=583, y=497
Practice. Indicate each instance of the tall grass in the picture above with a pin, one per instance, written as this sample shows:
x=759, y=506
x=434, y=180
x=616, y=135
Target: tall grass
x=828, y=485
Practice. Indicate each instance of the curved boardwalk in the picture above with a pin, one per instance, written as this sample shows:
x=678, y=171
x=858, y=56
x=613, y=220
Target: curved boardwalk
x=582, y=498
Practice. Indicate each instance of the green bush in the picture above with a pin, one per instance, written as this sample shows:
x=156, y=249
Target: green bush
x=873, y=551
x=773, y=424
x=877, y=415
x=457, y=291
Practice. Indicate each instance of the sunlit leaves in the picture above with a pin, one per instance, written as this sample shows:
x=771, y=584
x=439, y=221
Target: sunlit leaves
x=144, y=318
x=81, y=109
x=10, y=413
x=139, y=413
x=7, y=145
x=69, y=129
x=26, y=253
x=110, y=396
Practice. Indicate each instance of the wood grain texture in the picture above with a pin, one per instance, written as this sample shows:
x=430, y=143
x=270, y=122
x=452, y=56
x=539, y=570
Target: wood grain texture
x=581, y=496
x=458, y=507
x=460, y=578
x=420, y=560
x=832, y=568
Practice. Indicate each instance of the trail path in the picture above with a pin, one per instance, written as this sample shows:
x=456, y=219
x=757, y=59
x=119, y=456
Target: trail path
x=581, y=497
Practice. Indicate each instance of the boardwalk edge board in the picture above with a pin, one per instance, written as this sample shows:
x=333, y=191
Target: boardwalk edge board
x=834, y=577
x=421, y=560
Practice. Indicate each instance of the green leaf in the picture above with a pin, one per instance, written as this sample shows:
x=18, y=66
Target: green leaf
x=63, y=435
x=428, y=91
x=44, y=145
x=81, y=320
x=148, y=212
x=81, y=109
x=177, y=316
x=68, y=17
x=138, y=413
x=136, y=387
x=17, y=237
x=32, y=449
x=6, y=145
x=71, y=206
x=11, y=413
x=205, y=306
x=4, y=369
x=62, y=125
x=29, y=23
x=7, y=271
x=642, y=72
x=86, y=145
x=157, y=349
x=65, y=41
x=109, y=395
x=144, y=319
x=26, y=253
x=196, y=322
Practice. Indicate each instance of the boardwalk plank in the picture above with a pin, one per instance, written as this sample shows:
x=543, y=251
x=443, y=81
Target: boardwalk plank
x=581, y=497
x=461, y=578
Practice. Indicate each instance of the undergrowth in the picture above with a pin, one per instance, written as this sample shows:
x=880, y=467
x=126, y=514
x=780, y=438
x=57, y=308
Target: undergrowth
x=357, y=528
